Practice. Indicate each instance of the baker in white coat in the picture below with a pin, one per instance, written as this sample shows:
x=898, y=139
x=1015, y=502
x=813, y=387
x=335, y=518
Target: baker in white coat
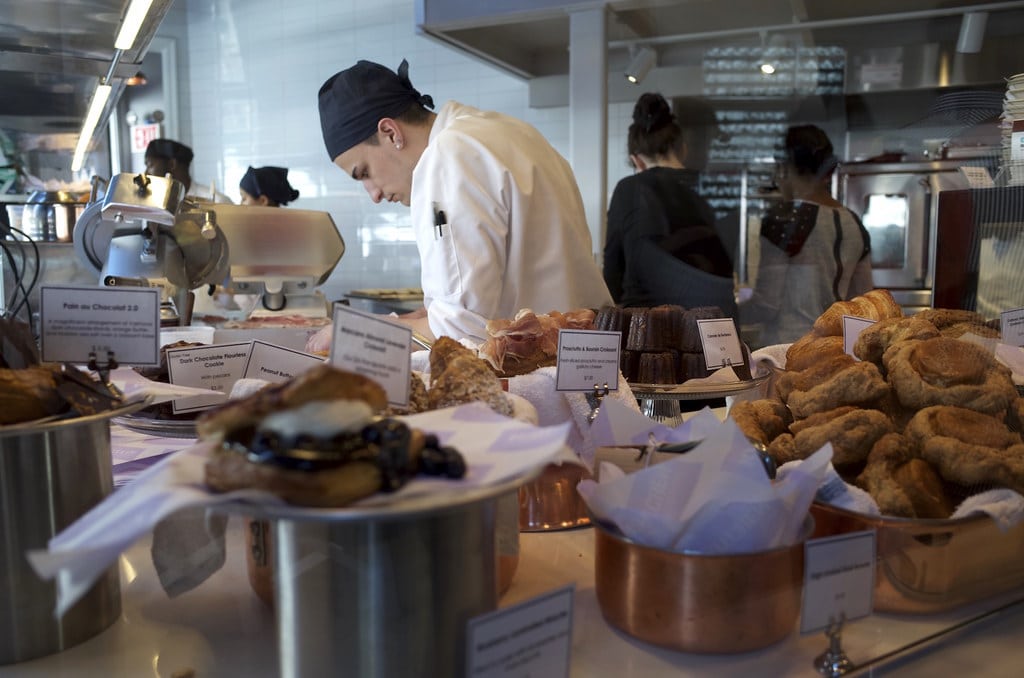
x=498, y=216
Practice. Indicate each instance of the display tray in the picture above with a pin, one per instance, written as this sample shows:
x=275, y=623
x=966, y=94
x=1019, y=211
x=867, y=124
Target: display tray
x=927, y=566
x=688, y=390
x=165, y=428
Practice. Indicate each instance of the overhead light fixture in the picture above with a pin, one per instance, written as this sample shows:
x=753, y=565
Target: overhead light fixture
x=132, y=23
x=99, y=101
x=972, y=32
x=136, y=80
x=771, y=50
x=640, y=64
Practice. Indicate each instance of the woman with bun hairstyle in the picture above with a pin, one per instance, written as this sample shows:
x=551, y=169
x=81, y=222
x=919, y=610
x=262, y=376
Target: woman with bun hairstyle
x=266, y=186
x=661, y=246
x=814, y=251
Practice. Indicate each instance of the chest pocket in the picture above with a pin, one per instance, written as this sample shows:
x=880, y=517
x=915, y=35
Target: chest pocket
x=442, y=265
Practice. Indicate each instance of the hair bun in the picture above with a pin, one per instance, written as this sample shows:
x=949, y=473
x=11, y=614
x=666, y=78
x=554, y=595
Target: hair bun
x=652, y=112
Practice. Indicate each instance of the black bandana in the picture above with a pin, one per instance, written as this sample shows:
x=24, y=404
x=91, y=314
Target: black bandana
x=353, y=101
x=171, y=150
x=269, y=181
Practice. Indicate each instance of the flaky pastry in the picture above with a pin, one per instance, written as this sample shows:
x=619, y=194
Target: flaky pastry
x=877, y=304
x=760, y=420
x=944, y=371
x=852, y=435
x=969, y=448
x=872, y=342
x=858, y=384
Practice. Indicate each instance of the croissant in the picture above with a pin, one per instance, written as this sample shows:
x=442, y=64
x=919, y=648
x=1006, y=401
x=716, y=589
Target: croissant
x=877, y=304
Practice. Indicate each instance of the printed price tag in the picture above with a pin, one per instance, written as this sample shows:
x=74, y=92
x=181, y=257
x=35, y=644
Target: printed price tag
x=1011, y=324
x=586, y=359
x=373, y=347
x=215, y=367
x=77, y=321
x=852, y=327
x=276, y=363
x=721, y=343
x=533, y=638
x=839, y=579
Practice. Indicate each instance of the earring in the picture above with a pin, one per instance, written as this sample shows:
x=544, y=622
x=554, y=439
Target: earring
x=398, y=146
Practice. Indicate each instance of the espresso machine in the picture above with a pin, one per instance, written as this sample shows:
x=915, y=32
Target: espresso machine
x=144, y=232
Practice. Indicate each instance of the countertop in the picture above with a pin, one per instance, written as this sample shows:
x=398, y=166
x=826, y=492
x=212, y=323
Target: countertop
x=222, y=629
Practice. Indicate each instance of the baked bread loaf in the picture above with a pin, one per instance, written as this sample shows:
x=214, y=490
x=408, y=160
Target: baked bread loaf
x=457, y=377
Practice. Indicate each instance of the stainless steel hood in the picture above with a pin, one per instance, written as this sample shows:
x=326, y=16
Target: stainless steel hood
x=52, y=55
x=530, y=38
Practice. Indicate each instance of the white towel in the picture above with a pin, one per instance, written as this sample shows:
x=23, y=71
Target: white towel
x=556, y=407
x=1006, y=507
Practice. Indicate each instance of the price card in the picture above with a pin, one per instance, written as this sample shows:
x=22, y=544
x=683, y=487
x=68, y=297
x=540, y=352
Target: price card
x=77, y=321
x=373, y=347
x=839, y=579
x=533, y=638
x=215, y=367
x=1012, y=327
x=852, y=327
x=721, y=342
x=586, y=359
x=276, y=363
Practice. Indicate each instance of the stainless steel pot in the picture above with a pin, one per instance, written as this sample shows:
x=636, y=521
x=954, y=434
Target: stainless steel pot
x=50, y=475
x=50, y=215
x=385, y=591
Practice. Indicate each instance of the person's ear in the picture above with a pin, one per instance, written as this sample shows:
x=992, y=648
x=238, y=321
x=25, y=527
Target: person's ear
x=263, y=200
x=638, y=162
x=390, y=132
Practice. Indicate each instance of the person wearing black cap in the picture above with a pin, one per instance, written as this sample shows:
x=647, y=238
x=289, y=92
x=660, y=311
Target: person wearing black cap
x=167, y=157
x=266, y=186
x=497, y=214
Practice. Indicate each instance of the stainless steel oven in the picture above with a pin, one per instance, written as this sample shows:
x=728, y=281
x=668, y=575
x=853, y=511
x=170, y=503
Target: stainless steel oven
x=898, y=203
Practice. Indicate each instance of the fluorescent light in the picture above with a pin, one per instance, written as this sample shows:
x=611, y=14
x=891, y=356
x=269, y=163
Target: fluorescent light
x=92, y=118
x=131, y=24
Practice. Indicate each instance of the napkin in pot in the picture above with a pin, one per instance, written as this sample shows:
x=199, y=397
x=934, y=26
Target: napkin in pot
x=715, y=499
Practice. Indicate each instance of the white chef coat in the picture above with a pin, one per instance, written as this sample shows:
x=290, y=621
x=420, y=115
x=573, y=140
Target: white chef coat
x=206, y=193
x=515, y=235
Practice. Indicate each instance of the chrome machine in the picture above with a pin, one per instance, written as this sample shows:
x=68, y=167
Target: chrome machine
x=145, y=232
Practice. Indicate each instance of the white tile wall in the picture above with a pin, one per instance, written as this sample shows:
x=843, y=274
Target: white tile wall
x=250, y=73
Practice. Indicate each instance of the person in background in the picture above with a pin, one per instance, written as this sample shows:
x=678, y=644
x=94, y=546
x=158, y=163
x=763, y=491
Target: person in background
x=164, y=156
x=497, y=214
x=814, y=251
x=267, y=186
x=661, y=246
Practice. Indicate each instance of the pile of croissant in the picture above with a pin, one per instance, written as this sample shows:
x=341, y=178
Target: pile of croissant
x=919, y=419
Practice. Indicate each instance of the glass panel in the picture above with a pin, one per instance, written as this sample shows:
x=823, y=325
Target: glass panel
x=886, y=219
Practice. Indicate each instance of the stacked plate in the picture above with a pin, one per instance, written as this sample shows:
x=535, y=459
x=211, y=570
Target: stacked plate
x=1013, y=123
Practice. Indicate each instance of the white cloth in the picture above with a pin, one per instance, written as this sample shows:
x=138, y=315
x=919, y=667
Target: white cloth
x=558, y=407
x=516, y=234
x=201, y=192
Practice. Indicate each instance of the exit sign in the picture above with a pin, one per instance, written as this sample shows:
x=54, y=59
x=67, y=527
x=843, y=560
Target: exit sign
x=142, y=135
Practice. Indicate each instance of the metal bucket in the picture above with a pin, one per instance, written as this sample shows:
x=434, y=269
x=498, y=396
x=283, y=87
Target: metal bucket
x=384, y=593
x=716, y=604
x=50, y=475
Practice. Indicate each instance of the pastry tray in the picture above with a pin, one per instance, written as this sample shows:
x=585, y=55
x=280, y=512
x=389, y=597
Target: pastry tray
x=927, y=566
x=696, y=391
x=164, y=428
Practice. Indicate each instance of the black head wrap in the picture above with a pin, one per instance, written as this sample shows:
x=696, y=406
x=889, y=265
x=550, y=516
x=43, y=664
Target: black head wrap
x=353, y=101
x=269, y=181
x=171, y=150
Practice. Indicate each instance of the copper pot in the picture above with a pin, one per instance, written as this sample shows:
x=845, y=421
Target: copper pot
x=699, y=603
x=551, y=502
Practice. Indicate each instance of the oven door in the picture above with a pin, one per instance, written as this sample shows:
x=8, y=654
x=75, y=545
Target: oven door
x=895, y=209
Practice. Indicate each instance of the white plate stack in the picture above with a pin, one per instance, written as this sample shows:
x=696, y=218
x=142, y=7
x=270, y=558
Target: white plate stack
x=1012, y=125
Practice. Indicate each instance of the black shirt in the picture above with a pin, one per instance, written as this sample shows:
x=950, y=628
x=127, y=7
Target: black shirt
x=661, y=235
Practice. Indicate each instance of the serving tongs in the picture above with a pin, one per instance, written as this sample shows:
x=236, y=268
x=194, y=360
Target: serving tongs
x=421, y=341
